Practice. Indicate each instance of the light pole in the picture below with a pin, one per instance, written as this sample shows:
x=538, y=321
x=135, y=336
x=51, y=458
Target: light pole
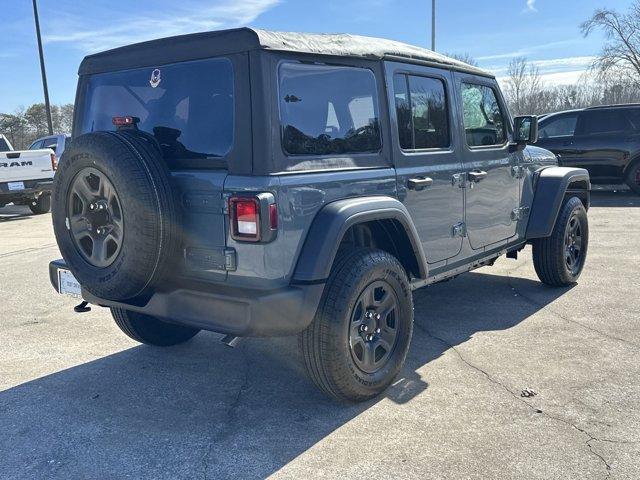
x=47, y=106
x=433, y=25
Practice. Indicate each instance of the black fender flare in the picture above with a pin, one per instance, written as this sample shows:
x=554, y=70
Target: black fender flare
x=552, y=186
x=332, y=222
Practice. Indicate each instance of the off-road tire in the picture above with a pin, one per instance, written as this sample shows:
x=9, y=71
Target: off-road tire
x=632, y=178
x=149, y=249
x=549, y=254
x=325, y=343
x=41, y=205
x=151, y=330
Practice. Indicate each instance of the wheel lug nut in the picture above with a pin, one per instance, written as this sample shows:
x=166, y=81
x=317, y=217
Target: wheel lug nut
x=363, y=328
x=377, y=330
x=377, y=316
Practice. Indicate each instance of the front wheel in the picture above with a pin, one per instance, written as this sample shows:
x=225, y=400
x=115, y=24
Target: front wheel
x=41, y=205
x=151, y=330
x=559, y=259
x=359, y=338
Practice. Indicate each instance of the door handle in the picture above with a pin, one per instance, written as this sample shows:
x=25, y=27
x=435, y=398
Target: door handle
x=419, y=183
x=476, y=176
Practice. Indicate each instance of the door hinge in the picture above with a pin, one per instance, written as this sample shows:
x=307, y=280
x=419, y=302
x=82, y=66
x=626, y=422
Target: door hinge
x=459, y=180
x=517, y=171
x=459, y=230
x=519, y=213
x=225, y=203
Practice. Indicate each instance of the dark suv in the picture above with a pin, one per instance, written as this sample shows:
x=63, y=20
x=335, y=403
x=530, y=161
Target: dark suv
x=267, y=183
x=604, y=140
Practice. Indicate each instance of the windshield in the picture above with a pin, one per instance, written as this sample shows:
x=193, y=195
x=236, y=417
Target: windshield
x=188, y=107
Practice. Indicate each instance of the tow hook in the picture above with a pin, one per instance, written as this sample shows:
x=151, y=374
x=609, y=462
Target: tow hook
x=82, y=307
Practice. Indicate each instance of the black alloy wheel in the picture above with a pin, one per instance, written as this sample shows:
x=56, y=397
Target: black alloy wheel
x=573, y=244
x=373, y=332
x=95, y=217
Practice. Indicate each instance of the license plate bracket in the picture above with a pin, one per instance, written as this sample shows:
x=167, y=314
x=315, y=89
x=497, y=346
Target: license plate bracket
x=67, y=284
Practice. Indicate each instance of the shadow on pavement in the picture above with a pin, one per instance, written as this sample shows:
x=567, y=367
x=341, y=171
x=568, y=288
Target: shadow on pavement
x=202, y=409
x=614, y=198
x=15, y=212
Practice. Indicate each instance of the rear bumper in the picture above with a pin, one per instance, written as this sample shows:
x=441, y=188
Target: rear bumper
x=31, y=189
x=240, y=312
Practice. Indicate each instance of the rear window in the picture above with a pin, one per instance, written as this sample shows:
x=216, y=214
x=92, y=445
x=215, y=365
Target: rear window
x=4, y=146
x=328, y=110
x=604, y=121
x=188, y=107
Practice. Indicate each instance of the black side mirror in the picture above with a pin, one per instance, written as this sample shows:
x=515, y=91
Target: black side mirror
x=525, y=129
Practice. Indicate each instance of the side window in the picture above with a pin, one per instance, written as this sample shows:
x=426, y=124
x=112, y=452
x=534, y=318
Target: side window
x=484, y=123
x=421, y=110
x=328, y=110
x=51, y=143
x=560, y=126
x=603, y=121
x=633, y=116
x=36, y=145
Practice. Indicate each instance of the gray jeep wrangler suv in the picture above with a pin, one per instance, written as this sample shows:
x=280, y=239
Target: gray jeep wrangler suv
x=261, y=183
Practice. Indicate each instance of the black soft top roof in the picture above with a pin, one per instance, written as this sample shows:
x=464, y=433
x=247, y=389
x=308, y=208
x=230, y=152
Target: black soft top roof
x=223, y=42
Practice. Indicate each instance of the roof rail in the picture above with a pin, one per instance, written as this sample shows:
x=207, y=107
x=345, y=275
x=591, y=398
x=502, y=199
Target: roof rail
x=615, y=105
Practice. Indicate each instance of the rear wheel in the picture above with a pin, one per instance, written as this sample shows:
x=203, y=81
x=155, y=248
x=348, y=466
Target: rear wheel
x=559, y=259
x=151, y=330
x=359, y=338
x=633, y=177
x=41, y=205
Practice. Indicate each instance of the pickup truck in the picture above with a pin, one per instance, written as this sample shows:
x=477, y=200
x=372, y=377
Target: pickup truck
x=26, y=176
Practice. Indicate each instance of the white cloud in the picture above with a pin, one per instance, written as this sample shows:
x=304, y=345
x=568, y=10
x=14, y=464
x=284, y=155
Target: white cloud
x=125, y=30
x=531, y=6
x=555, y=71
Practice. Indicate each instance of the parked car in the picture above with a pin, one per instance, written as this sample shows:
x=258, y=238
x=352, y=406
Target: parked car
x=603, y=140
x=258, y=183
x=26, y=176
x=57, y=143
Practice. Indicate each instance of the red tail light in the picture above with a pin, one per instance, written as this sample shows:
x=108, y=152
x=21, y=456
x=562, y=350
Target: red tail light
x=54, y=162
x=244, y=213
x=253, y=219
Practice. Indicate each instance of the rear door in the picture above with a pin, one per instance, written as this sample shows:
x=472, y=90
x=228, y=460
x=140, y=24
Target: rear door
x=426, y=155
x=493, y=184
x=193, y=110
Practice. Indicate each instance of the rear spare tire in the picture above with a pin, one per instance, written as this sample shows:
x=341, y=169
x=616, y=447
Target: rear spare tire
x=114, y=214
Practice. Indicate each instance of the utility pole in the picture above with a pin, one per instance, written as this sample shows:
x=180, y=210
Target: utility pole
x=47, y=105
x=433, y=25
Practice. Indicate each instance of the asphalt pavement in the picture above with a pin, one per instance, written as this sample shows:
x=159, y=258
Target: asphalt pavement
x=506, y=378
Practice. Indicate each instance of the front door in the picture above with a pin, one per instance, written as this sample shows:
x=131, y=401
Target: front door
x=491, y=164
x=427, y=156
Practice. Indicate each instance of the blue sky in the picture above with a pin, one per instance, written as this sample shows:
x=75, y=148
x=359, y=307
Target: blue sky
x=492, y=31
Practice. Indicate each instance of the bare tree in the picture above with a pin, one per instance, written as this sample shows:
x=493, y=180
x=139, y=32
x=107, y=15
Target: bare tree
x=621, y=52
x=463, y=57
x=523, y=87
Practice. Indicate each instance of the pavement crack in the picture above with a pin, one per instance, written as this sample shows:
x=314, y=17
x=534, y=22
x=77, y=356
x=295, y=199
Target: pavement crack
x=28, y=250
x=230, y=416
x=539, y=305
x=591, y=438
